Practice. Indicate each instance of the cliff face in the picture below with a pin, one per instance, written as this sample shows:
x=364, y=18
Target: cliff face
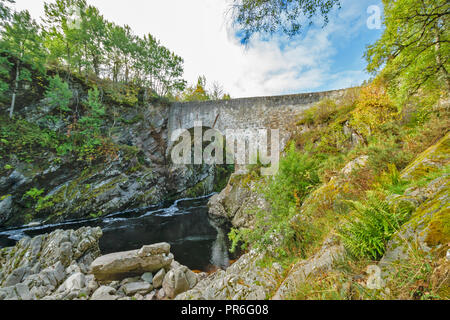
x=426, y=233
x=41, y=185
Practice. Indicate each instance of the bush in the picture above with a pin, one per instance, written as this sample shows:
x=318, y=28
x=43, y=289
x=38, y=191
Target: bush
x=322, y=112
x=373, y=109
x=59, y=94
x=285, y=192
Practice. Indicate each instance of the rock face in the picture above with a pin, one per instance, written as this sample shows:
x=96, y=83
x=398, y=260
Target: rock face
x=178, y=280
x=428, y=229
x=117, y=266
x=236, y=202
x=320, y=262
x=244, y=280
x=57, y=267
x=141, y=175
x=48, y=264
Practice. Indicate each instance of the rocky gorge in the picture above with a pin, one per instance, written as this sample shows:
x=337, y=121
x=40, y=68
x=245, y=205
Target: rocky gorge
x=128, y=193
x=136, y=172
x=66, y=265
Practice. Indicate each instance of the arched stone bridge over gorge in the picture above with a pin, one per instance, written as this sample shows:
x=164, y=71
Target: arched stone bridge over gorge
x=245, y=113
x=240, y=115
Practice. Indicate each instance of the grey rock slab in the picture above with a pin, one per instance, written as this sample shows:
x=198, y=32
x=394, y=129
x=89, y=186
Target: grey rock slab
x=104, y=293
x=137, y=287
x=158, y=278
x=117, y=266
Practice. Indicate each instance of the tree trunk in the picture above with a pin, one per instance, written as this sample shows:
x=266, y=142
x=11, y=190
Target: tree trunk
x=96, y=64
x=16, y=88
x=68, y=61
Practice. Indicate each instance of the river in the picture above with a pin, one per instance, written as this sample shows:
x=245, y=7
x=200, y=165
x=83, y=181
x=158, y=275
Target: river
x=195, y=240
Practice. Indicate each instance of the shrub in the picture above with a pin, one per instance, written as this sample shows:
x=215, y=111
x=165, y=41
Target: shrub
x=285, y=192
x=373, y=109
x=58, y=94
x=322, y=112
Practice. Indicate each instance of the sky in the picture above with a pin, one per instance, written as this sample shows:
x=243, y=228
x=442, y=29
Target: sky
x=200, y=32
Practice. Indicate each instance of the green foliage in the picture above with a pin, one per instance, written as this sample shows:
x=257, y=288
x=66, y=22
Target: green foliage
x=413, y=51
x=285, y=192
x=199, y=92
x=384, y=150
x=33, y=193
x=271, y=16
x=91, y=123
x=371, y=225
x=373, y=110
x=58, y=94
x=321, y=113
x=25, y=140
x=297, y=177
x=391, y=180
x=44, y=203
x=95, y=44
x=32, y=196
x=21, y=40
x=5, y=11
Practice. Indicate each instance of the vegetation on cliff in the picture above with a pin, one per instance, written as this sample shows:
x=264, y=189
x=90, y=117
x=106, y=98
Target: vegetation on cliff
x=348, y=159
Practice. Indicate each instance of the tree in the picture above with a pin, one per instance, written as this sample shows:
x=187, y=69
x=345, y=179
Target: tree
x=413, y=52
x=59, y=94
x=162, y=70
x=217, y=92
x=120, y=46
x=197, y=92
x=5, y=11
x=93, y=35
x=273, y=16
x=64, y=37
x=22, y=41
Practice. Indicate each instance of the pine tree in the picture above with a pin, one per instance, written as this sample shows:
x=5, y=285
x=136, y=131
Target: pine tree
x=22, y=40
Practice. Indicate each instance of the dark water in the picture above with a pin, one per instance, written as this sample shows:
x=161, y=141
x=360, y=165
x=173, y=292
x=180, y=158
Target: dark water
x=196, y=242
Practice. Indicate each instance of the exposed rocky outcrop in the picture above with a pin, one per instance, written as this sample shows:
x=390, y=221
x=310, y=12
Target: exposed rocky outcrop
x=428, y=230
x=120, y=265
x=138, y=176
x=65, y=265
x=322, y=261
x=237, y=202
x=53, y=265
x=244, y=280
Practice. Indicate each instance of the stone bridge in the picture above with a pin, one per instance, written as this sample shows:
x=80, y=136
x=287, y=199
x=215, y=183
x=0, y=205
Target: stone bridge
x=276, y=112
x=246, y=113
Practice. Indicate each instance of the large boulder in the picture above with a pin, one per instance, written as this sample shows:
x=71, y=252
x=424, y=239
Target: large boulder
x=120, y=265
x=236, y=202
x=175, y=282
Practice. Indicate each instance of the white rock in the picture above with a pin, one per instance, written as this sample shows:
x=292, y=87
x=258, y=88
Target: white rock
x=158, y=278
x=104, y=293
x=137, y=287
x=175, y=282
x=77, y=281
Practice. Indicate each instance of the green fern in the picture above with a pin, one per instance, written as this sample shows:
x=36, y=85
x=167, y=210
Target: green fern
x=371, y=226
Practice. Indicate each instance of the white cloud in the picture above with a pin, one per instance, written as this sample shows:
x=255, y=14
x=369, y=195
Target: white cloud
x=198, y=31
